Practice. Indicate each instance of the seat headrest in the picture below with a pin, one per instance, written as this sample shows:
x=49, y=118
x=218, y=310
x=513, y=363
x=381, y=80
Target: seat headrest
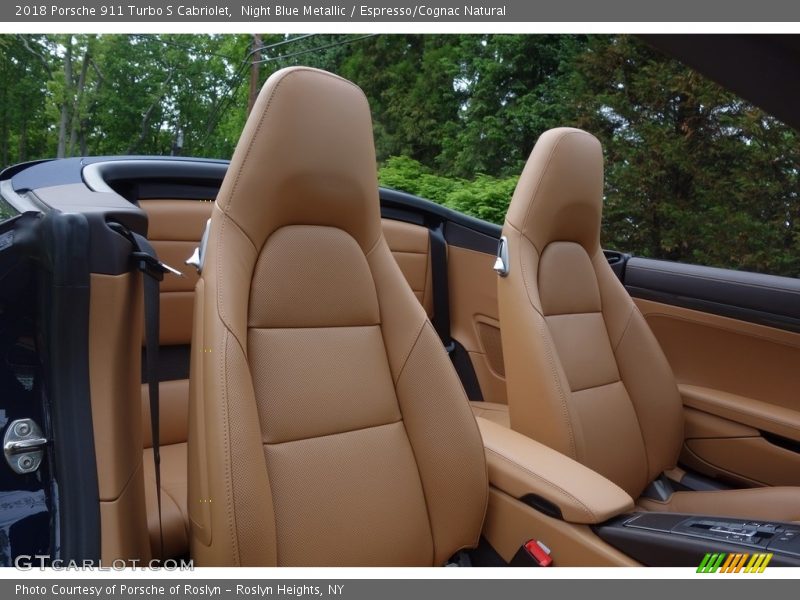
x=305, y=157
x=559, y=196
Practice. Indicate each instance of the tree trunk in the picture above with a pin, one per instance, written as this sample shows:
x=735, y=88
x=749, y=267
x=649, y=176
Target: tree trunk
x=84, y=149
x=149, y=113
x=255, y=67
x=65, y=103
x=23, y=142
x=76, y=111
x=4, y=124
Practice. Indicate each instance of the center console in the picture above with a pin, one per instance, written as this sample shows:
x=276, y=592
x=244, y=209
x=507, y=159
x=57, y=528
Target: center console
x=539, y=495
x=668, y=539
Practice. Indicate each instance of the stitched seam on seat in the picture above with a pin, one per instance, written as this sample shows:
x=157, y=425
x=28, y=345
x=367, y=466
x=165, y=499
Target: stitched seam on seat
x=374, y=245
x=625, y=329
x=325, y=435
x=227, y=452
x=541, y=325
x=598, y=386
x=532, y=197
x=410, y=350
x=220, y=308
x=243, y=232
x=413, y=452
x=556, y=487
x=421, y=484
x=263, y=118
x=548, y=350
x=485, y=487
x=295, y=327
x=630, y=398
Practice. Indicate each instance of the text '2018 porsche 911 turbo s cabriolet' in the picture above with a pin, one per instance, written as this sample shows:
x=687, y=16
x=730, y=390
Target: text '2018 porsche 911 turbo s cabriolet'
x=274, y=362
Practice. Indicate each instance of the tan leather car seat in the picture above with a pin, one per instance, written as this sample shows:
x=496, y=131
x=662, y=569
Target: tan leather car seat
x=585, y=374
x=327, y=425
x=174, y=229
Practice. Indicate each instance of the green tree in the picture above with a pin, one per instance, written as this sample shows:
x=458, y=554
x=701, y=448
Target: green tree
x=24, y=67
x=484, y=197
x=693, y=173
x=509, y=84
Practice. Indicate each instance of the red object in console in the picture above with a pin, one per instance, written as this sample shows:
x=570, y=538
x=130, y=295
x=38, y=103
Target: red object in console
x=539, y=552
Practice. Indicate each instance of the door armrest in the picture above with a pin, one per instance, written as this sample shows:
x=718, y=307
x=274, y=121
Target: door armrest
x=522, y=467
x=758, y=414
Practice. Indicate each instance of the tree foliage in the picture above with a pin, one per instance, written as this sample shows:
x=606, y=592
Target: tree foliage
x=693, y=173
x=484, y=196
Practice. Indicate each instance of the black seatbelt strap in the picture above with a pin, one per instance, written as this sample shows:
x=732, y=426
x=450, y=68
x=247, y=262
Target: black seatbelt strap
x=152, y=274
x=441, y=292
x=146, y=261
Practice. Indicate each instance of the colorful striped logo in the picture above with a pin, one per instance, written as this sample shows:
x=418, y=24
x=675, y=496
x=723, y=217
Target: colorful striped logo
x=721, y=562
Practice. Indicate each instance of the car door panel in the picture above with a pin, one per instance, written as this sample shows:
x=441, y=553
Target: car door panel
x=733, y=345
x=475, y=319
x=749, y=461
x=743, y=296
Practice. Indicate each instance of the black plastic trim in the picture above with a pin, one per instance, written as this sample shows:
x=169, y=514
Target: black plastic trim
x=149, y=190
x=484, y=555
x=697, y=482
x=99, y=176
x=523, y=559
x=395, y=199
x=173, y=363
x=543, y=505
x=64, y=326
x=472, y=239
x=781, y=442
x=100, y=173
x=9, y=172
x=661, y=547
x=466, y=372
x=756, y=298
x=109, y=252
x=618, y=261
x=441, y=287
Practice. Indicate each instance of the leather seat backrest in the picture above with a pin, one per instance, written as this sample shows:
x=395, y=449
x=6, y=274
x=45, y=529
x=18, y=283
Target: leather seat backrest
x=584, y=373
x=327, y=425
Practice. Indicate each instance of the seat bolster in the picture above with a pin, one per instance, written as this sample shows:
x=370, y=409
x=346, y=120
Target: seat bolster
x=435, y=410
x=230, y=495
x=537, y=386
x=645, y=372
x=769, y=503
